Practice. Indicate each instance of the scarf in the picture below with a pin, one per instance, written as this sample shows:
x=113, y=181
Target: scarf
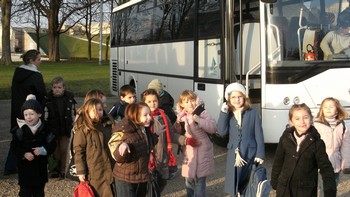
x=171, y=157
x=332, y=122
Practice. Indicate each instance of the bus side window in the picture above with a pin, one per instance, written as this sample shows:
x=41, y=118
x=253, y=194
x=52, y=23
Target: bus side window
x=292, y=43
x=281, y=23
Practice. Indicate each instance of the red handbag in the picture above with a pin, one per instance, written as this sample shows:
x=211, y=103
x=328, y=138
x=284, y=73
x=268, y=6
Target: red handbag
x=83, y=189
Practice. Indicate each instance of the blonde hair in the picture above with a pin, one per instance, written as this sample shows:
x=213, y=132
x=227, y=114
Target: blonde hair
x=342, y=114
x=94, y=93
x=189, y=95
x=84, y=121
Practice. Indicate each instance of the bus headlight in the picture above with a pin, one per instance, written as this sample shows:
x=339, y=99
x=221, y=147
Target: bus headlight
x=296, y=100
x=286, y=101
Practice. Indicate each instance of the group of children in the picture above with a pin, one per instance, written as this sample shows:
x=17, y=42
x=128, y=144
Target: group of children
x=147, y=130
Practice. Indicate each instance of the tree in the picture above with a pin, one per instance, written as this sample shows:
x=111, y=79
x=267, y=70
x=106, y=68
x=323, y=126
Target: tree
x=57, y=13
x=6, y=31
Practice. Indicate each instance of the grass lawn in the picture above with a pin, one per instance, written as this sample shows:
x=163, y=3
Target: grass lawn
x=80, y=77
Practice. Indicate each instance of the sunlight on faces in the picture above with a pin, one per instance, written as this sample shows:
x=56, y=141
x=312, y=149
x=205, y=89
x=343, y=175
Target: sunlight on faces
x=57, y=89
x=301, y=120
x=329, y=109
x=236, y=99
x=145, y=117
x=31, y=117
x=151, y=101
x=188, y=105
x=96, y=113
x=129, y=98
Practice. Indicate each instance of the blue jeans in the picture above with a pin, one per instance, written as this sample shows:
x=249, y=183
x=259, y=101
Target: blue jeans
x=126, y=189
x=195, y=187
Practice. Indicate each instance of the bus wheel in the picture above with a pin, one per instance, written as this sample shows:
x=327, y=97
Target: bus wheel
x=218, y=140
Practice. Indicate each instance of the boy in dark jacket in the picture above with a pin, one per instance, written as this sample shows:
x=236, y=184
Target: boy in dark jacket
x=127, y=96
x=60, y=109
x=32, y=142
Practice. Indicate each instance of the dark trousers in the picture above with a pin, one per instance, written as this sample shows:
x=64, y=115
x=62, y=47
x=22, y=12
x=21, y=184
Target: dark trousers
x=125, y=189
x=31, y=191
x=11, y=161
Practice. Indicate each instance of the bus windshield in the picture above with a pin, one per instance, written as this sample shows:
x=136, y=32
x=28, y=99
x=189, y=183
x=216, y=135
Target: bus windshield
x=296, y=44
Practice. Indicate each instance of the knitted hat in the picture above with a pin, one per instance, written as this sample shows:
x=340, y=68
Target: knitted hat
x=32, y=103
x=234, y=87
x=156, y=84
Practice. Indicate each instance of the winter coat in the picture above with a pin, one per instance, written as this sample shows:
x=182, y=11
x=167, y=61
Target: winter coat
x=26, y=80
x=198, y=161
x=133, y=167
x=337, y=142
x=249, y=139
x=35, y=172
x=60, y=113
x=296, y=173
x=92, y=160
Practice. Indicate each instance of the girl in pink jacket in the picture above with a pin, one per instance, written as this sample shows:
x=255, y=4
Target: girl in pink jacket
x=198, y=152
x=330, y=125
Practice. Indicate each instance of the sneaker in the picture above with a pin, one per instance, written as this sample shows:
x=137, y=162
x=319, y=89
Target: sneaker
x=9, y=172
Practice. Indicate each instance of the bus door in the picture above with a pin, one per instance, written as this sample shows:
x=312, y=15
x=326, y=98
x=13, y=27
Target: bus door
x=207, y=80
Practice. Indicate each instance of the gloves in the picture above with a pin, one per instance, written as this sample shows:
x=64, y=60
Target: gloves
x=160, y=130
x=258, y=160
x=192, y=142
x=224, y=107
x=123, y=148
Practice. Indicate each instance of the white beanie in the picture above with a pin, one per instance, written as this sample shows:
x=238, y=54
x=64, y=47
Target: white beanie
x=234, y=87
x=156, y=84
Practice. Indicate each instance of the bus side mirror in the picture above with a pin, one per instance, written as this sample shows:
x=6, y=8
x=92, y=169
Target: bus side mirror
x=269, y=1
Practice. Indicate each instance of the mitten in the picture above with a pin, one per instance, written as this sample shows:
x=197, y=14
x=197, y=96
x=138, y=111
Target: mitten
x=192, y=142
x=258, y=160
x=224, y=107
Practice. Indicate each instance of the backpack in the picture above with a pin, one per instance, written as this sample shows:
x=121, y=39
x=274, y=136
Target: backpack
x=114, y=141
x=258, y=184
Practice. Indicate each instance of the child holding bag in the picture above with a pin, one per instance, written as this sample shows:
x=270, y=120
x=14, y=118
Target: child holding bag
x=198, y=161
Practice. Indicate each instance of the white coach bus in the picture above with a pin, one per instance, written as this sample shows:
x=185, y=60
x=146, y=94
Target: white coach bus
x=270, y=46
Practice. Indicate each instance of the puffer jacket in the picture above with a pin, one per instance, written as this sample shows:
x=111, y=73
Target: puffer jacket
x=198, y=161
x=337, y=142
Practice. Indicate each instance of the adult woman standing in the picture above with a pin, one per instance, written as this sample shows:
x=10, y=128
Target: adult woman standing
x=26, y=80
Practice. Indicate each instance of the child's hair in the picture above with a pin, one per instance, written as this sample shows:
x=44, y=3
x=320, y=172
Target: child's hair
x=297, y=107
x=342, y=114
x=84, y=121
x=57, y=80
x=127, y=89
x=133, y=110
x=94, y=93
x=30, y=55
x=186, y=94
x=149, y=92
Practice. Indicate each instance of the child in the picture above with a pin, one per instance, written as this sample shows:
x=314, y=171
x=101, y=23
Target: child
x=132, y=155
x=300, y=154
x=246, y=139
x=32, y=142
x=330, y=125
x=164, y=165
x=60, y=109
x=166, y=101
x=91, y=156
x=199, y=152
x=127, y=96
